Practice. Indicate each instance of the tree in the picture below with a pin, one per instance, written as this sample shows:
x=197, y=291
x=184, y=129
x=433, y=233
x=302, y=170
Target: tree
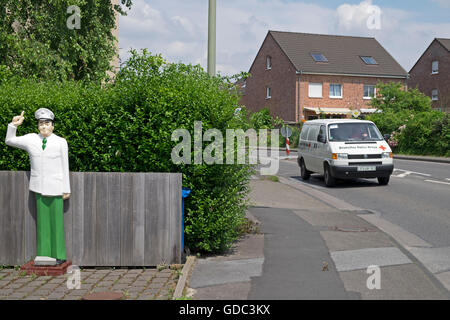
x=392, y=97
x=398, y=106
x=35, y=41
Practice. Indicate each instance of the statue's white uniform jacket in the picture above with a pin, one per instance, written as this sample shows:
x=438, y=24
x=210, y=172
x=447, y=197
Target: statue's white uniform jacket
x=49, y=167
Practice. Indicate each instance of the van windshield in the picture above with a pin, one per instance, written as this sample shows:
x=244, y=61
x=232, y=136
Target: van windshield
x=354, y=132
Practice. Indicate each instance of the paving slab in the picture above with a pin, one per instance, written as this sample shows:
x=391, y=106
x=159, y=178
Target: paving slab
x=333, y=218
x=405, y=238
x=436, y=260
x=444, y=278
x=228, y=291
x=266, y=193
x=250, y=246
x=211, y=272
x=363, y=258
x=340, y=241
x=405, y=282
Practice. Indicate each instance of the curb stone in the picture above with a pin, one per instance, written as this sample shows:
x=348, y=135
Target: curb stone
x=182, y=280
x=422, y=158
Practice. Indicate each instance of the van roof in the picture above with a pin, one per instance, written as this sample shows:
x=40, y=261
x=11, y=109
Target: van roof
x=328, y=121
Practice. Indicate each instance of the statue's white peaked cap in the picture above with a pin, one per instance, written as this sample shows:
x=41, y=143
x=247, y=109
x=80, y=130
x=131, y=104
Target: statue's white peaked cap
x=44, y=113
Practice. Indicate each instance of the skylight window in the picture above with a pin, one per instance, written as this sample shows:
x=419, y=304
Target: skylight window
x=368, y=60
x=318, y=57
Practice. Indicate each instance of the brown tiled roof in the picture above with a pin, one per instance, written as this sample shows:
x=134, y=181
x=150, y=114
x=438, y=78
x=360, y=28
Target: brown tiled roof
x=444, y=42
x=342, y=52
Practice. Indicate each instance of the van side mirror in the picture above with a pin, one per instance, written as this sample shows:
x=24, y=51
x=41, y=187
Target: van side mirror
x=387, y=137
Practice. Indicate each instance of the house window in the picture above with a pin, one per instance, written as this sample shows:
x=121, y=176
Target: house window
x=268, y=93
x=268, y=63
x=368, y=60
x=369, y=91
x=435, y=95
x=435, y=67
x=315, y=90
x=335, y=91
x=318, y=57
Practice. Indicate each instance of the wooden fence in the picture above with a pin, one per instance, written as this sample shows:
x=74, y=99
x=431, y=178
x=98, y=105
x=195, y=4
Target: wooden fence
x=111, y=219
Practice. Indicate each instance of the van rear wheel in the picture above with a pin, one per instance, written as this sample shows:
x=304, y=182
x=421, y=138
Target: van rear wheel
x=328, y=177
x=382, y=181
x=304, y=173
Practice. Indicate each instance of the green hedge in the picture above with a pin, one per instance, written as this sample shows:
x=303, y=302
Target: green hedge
x=426, y=133
x=127, y=127
x=419, y=133
x=416, y=129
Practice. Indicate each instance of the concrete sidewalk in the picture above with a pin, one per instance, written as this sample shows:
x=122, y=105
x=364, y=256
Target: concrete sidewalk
x=309, y=250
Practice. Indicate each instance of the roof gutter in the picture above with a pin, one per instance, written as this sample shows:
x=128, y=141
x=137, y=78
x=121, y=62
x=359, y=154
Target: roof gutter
x=353, y=75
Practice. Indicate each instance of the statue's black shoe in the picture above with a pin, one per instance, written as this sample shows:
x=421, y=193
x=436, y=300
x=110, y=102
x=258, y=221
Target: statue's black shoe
x=58, y=261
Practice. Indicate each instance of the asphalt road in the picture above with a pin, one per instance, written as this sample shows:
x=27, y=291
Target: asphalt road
x=416, y=199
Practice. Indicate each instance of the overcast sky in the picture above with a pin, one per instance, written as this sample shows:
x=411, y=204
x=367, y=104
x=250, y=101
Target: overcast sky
x=178, y=29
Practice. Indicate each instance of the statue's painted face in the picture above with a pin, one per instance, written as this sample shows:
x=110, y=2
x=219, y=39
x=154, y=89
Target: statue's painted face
x=45, y=127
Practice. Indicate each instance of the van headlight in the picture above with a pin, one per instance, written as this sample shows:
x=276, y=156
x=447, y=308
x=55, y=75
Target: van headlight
x=386, y=155
x=340, y=156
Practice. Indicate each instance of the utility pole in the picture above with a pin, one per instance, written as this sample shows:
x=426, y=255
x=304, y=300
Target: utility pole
x=212, y=38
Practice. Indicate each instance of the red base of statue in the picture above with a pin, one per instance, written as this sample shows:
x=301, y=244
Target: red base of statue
x=53, y=271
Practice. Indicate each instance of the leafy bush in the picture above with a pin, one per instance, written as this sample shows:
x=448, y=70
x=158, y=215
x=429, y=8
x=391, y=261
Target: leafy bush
x=427, y=133
x=389, y=121
x=408, y=116
x=127, y=127
x=392, y=97
x=261, y=119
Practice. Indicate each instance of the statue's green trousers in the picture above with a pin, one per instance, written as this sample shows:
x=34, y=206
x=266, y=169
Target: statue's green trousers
x=50, y=227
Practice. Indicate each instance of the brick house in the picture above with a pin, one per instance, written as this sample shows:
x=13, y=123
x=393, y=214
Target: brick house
x=431, y=74
x=298, y=75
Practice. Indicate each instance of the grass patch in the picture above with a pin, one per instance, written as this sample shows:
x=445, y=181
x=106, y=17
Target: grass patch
x=248, y=227
x=270, y=178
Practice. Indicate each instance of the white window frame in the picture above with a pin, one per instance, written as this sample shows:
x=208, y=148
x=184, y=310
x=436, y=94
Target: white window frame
x=336, y=84
x=312, y=85
x=374, y=91
x=433, y=70
x=268, y=93
x=435, y=97
x=268, y=63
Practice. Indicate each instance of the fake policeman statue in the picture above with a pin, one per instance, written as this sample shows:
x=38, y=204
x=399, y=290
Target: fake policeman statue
x=50, y=182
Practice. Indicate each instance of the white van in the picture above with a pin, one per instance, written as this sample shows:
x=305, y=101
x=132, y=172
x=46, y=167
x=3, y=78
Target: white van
x=344, y=149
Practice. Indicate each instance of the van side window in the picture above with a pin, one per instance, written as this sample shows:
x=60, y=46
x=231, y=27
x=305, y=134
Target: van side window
x=313, y=133
x=322, y=132
x=304, y=134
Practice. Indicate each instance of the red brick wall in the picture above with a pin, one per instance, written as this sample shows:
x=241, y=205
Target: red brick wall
x=352, y=91
x=281, y=79
x=421, y=77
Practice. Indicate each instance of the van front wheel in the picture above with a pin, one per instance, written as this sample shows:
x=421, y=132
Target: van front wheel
x=328, y=177
x=382, y=181
x=304, y=173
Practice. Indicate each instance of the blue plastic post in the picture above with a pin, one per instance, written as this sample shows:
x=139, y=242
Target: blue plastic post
x=185, y=193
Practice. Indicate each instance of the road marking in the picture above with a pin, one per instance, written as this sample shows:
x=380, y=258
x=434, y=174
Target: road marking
x=407, y=173
x=440, y=182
